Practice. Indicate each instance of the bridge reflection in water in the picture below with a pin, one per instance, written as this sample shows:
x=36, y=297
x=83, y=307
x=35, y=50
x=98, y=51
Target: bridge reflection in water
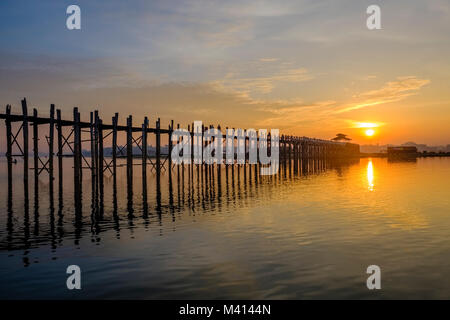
x=49, y=219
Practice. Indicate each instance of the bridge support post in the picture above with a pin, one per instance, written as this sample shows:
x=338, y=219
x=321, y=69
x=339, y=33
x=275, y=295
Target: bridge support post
x=76, y=156
x=100, y=158
x=158, y=151
x=114, y=147
x=60, y=151
x=50, y=148
x=93, y=156
x=9, y=147
x=25, y=148
x=144, y=159
x=35, y=155
x=129, y=157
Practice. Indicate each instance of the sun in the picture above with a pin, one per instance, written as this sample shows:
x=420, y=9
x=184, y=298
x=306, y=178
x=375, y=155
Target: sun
x=370, y=132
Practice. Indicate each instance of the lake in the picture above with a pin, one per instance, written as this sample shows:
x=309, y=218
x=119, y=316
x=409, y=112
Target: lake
x=304, y=235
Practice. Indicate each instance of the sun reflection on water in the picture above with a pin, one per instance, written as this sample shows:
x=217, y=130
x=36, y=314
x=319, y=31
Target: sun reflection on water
x=370, y=175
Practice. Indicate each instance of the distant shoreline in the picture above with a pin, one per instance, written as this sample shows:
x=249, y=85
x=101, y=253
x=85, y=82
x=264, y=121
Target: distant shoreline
x=418, y=155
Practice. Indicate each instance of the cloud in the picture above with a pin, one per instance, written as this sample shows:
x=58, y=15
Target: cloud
x=268, y=59
x=228, y=34
x=392, y=91
x=264, y=83
x=357, y=124
x=293, y=115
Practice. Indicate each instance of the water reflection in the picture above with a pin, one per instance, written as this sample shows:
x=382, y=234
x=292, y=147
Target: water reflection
x=370, y=174
x=193, y=234
x=196, y=189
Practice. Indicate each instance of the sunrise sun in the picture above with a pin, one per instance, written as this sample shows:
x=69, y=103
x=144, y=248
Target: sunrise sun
x=369, y=132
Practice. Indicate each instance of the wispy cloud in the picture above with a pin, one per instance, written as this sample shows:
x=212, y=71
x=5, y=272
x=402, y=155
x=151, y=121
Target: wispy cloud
x=268, y=59
x=357, y=124
x=264, y=83
x=222, y=34
x=392, y=91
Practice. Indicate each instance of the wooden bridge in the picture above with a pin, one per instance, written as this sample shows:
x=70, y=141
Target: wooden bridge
x=292, y=150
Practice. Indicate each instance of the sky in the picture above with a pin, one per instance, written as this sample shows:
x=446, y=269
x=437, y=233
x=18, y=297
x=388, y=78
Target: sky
x=306, y=67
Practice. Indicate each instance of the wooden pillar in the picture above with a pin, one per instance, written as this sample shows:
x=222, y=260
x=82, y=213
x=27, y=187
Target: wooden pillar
x=192, y=151
x=219, y=165
x=232, y=163
x=95, y=163
x=250, y=167
x=178, y=165
x=158, y=163
x=158, y=147
x=210, y=166
x=100, y=157
x=255, y=166
x=35, y=154
x=25, y=148
x=76, y=155
x=295, y=155
x=129, y=153
x=289, y=153
x=281, y=149
x=245, y=156
x=202, y=143
x=304, y=150
x=9, y=146
x=305, y=147
x=80, y=148
x=299, y=155
x=170, y=145
x=144, y=156
x=196, y=134
x=50, y=145
x=226, y=162
x=93, y=166
x=189, y=165
x=144, y=147
x=96, y=148
x=60, y=151
x=114, y=145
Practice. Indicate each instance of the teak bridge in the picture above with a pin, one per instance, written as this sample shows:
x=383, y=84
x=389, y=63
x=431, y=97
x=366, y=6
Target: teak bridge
x=292, y=150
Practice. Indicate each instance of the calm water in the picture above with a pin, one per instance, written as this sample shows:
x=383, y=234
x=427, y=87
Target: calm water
x=286, y=237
